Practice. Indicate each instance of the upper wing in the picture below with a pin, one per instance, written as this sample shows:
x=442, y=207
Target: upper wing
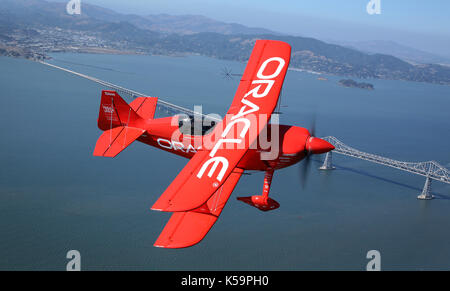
x=254, y=102
x=188, y=228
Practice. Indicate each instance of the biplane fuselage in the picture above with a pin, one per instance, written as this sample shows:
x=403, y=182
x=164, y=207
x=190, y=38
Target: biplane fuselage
x=291, y=144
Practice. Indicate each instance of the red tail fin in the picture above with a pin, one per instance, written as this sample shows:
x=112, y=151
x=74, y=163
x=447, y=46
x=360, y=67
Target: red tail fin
x=145, y=107
x=114, y=112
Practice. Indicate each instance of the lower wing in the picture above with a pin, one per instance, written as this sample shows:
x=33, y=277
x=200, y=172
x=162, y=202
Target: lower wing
x=187, y=228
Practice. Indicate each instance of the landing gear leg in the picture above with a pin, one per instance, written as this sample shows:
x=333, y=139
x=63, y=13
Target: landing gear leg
x=263, y=202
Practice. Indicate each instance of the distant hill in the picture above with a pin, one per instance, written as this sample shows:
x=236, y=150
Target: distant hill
x=190, y=24
x=41, y=12
x=43, y=26
x=398, y=50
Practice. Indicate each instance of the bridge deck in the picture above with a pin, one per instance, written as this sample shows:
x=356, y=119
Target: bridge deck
x=430, y=169
x=121, y=90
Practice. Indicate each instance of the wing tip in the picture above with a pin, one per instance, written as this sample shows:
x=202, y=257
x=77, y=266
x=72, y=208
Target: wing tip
x=181, y=208
x=164, y=243
x=185, y=229
x=159, y=205
x=104, y=155
x=163, y=207
x=172, y=245
x=159, y=246
x=274, y=41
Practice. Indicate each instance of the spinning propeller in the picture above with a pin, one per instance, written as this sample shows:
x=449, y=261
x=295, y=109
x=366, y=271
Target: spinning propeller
x=313, y=146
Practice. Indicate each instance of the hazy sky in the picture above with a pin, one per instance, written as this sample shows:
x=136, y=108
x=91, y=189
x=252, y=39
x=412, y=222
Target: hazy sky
x=418, y=23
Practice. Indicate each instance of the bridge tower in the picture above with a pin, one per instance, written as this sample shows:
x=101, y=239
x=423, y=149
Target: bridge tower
x=426, y=192
x=327, y=163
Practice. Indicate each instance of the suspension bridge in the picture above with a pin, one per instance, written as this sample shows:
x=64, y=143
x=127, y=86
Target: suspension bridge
x=431, y=169
x=169, y=107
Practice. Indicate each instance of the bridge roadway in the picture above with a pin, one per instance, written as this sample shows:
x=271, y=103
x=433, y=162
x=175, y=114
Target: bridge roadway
x=430, y=169
x=169, y=107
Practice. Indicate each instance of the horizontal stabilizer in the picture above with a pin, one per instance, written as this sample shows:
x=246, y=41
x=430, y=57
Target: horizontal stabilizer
x=115, y=140
x=188, y=228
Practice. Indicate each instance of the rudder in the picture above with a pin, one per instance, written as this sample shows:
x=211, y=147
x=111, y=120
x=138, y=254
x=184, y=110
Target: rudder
x=145, y=107
x=115, y=112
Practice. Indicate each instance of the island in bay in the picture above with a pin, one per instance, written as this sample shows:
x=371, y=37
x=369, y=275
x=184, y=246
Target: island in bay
x=353, y=84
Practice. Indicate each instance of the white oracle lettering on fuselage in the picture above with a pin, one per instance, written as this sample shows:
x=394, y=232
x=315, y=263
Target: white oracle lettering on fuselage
x=246, y=108
x=175, y=145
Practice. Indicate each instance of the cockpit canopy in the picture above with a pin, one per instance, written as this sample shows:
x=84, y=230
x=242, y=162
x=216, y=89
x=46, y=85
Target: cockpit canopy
x=195, y=125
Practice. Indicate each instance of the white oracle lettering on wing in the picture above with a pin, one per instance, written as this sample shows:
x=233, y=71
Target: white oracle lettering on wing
x=247, y=108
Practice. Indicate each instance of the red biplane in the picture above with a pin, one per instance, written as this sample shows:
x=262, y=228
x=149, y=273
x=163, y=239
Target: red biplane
x=200, y=191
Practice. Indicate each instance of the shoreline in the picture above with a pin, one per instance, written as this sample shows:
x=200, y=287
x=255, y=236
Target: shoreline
x=109, y=51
